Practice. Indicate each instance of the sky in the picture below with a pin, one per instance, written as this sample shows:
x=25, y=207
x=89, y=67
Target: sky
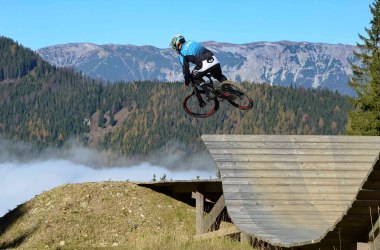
x=40, y=23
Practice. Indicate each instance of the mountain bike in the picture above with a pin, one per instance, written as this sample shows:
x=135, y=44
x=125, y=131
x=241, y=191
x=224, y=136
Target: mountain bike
x=198, y=105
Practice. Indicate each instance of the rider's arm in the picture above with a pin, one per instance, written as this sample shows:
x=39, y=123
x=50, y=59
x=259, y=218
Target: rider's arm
x=185, y=69
x=186, y=72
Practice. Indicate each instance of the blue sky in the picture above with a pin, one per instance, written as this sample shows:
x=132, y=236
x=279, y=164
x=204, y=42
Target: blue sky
x=39, y=23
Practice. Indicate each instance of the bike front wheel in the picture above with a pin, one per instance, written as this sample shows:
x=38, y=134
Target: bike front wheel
x=236, y=95
x=196, y=105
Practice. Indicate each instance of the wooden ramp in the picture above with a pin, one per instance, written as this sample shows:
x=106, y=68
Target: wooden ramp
x=299, y=190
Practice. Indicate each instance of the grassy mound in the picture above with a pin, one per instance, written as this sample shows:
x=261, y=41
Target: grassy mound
x=117, y=215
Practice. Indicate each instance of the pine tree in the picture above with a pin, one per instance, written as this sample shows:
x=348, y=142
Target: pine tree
x=365, y=118
x=112, y=119
x=101, y=120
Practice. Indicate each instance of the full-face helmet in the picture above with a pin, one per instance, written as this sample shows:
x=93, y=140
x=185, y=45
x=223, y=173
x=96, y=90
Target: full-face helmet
x=176, y=41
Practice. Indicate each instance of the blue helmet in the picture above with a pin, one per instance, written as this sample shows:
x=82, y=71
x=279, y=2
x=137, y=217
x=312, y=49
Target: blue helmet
x=176, y=41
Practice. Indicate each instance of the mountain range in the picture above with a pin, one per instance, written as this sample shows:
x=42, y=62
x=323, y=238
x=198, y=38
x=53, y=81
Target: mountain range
x=51, y=106
x=284, y=63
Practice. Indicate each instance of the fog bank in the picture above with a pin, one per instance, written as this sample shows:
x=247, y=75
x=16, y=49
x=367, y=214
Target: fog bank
x=24, y=175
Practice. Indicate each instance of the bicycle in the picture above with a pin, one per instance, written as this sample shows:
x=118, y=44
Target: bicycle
x=198, y=105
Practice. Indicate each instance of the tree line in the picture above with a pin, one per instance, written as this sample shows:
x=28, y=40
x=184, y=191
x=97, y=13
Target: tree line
x=48, y=106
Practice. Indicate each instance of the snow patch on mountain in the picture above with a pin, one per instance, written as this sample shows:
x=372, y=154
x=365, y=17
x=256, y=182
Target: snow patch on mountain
x=311, y=65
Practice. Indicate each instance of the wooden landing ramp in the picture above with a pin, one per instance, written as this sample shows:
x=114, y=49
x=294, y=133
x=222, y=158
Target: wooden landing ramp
x=299, y=190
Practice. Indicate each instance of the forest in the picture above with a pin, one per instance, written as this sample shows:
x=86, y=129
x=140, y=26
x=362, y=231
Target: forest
x=47, y=106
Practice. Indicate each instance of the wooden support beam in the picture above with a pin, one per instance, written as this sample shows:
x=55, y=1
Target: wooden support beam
x=200, y=205
x=374, y=236
x=210, y=220
x=205, y=224
x=193, y=196
x=221, y=232
x=374, y=231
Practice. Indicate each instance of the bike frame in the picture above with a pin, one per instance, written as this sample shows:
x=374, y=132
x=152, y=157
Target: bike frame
x=218, y=96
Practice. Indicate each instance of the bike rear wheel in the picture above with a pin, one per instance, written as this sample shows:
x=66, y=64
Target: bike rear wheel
x=196, y=105
x=236, y=95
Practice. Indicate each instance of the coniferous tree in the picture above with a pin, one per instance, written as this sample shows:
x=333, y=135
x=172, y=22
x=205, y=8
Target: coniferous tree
x=101, y=120
x=48, y=106
x=364, y=119
x=112, y=119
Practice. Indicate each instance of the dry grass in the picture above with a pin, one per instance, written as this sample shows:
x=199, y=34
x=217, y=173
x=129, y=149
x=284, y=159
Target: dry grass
x=117, y=215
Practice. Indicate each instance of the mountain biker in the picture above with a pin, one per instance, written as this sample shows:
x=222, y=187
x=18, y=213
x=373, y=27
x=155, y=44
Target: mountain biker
x=204, y=60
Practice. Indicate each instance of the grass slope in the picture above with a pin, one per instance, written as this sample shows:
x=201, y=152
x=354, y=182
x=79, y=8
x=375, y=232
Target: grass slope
x=117, y=215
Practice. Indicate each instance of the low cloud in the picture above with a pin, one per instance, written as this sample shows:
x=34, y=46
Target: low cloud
x=24, y=174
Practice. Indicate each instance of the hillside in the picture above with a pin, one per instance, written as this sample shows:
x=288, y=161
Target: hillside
x=15, y=60
x=284, y=63
x=49, y=106
x=117, y=215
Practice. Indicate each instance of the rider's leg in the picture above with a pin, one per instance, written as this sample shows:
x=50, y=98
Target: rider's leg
x=202, y=84
x=216, y=72
x=197, y=74
x=210, y=65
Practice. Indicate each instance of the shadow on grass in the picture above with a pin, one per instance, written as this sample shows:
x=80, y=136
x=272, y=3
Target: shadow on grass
x=6, y=223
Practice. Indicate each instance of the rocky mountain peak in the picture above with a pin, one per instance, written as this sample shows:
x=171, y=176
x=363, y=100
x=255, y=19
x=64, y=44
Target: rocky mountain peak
x=310, y=65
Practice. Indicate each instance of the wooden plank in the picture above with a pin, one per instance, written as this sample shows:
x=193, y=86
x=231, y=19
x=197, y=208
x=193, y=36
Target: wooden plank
x=214, y=213
x=184, y=187
x=287, y=145
x=286, y=225
x=301, y=166
x=306, y=181
x=247, y=173
x=291, y=213
x=219, y=233
x=291, y=190
x=286, y=216
x=293, y=138
x=286, y=205
x=288, y=202
x=300, y=221
x=372, y=235
x=242, y=208
x=298, y=158
x=292, y=197
x=288, y=233
x=285, y=236
x=284, y=151
x=199, y=212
